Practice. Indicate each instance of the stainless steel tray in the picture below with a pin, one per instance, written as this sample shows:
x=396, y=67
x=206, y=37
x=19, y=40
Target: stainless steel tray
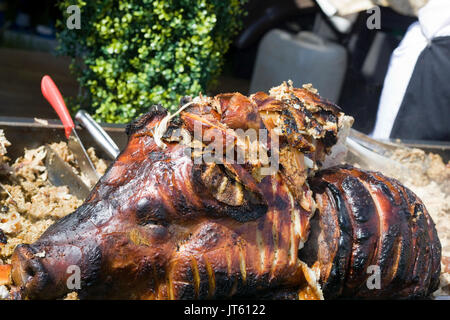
x=27, y=133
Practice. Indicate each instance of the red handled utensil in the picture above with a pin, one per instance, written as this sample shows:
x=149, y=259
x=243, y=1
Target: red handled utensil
x=53, y=96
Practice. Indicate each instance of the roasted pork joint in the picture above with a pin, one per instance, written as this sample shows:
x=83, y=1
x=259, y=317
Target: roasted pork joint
x=368, y=224
x=186, y=211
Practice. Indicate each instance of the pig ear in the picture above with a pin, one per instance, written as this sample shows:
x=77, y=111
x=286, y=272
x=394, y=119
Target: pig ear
x=315, y=99
x=156, y=111
x=226, y=195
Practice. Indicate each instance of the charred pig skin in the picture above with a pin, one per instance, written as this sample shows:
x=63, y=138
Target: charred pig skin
x=160, y=225
x=366, y=219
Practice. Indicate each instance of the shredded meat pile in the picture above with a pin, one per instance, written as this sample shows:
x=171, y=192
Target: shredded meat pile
x=29, y=204
x=430, y=181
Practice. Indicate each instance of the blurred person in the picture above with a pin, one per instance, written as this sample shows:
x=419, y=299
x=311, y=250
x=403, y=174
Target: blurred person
x=415, y=101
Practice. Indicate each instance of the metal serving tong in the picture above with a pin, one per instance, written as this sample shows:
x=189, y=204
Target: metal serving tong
x=100, y=136
x=53, y=96
x=59, y=172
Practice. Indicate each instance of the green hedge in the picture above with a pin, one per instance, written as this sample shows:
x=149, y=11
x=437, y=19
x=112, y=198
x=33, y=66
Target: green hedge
x=135, y=53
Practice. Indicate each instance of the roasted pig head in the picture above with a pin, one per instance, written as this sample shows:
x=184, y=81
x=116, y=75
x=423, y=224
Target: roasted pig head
x=218, y=203
x=161, y=225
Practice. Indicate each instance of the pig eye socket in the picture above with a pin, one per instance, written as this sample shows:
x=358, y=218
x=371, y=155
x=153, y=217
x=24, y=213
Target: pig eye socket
x=150, y=220
x=154, y=222
x=157, y=230
x=149, y=212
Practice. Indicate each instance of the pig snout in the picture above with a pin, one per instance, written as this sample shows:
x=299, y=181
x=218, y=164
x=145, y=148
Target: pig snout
x=51, y=272
x=61, y=261
x=28, y=273
x=42, y=272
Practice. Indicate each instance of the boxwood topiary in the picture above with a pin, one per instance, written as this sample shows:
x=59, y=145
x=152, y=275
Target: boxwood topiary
x=130, y=54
